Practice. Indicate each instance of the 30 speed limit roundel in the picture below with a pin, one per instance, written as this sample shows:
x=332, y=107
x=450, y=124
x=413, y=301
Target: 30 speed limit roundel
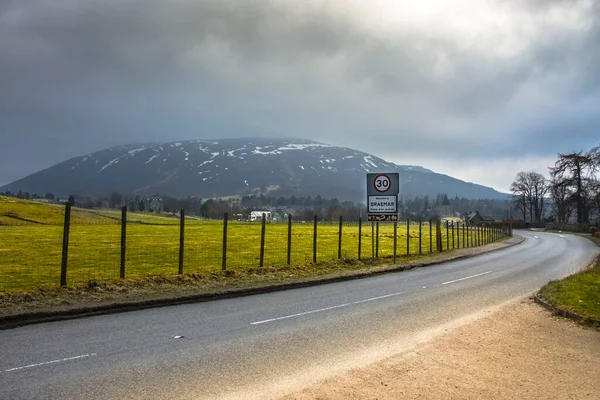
x=382, y=183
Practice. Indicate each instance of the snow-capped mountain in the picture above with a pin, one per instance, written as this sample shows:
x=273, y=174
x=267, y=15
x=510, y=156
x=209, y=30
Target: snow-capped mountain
x=227, y=167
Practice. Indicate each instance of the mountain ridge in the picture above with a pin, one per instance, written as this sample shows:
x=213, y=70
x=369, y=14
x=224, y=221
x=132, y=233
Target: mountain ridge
x=225, y=167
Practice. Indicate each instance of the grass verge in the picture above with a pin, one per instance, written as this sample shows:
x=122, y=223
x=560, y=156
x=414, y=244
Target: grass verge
x=579, y=293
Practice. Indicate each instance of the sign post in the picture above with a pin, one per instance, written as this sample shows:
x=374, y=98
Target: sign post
x=382, y=196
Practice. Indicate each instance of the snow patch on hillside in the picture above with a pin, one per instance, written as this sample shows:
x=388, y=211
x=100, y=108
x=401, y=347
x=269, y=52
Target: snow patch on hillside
x=116, y=160
x=151, y=158
x=288, y=147
x=369, y=161
x=205, y=162
x=294, y=146
x=132, y=152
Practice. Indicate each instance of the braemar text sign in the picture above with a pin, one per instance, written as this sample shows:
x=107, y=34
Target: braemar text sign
x=383, y=204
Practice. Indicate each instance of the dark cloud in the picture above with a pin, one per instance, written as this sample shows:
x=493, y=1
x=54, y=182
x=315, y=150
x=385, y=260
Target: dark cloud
x=79, y=76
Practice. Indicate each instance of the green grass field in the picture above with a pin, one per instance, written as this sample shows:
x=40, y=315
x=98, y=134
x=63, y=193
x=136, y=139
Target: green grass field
x=18, y=212
x=143, y=218
x=579, y=293
x=30, y=254
x=24, y=212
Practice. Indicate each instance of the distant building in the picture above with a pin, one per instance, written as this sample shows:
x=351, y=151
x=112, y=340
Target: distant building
x=257, y=215
x=476, y=218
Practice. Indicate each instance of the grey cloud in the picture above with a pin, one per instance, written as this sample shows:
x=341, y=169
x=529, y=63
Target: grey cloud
x=99, y=73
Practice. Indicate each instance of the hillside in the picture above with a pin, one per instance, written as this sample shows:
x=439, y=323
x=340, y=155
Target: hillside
x=25, y=212
x=237, y=166
x=15, y=211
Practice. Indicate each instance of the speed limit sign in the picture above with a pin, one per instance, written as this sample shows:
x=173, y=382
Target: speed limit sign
x=382, y=183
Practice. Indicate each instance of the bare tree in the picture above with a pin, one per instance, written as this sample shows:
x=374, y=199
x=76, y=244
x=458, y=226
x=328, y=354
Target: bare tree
x=529, y=190
x=573, y=171
x=562, y=199
x=539, y=189
x=594, y=197
x=594, y=185
x=520, y=193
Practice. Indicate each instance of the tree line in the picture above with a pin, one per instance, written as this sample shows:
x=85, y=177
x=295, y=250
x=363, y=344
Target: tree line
x=572, y=194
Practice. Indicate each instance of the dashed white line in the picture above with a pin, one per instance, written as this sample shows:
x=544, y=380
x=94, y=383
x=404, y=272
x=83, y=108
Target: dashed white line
x=326, y=308
x=466, y=277
x=355, y=302
x=50, y=362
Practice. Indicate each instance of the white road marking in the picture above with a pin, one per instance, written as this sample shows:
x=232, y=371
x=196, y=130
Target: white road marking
x=466, y=277
x=326, y=308
x=50, y=362
x=562, y=236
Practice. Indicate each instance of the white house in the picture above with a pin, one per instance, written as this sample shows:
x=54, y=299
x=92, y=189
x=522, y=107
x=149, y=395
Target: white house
x=257, y=215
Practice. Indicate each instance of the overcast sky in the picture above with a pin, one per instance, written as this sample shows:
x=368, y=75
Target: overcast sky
x=474, y=89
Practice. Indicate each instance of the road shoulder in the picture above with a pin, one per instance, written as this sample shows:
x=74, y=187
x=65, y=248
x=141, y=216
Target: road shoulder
x=521, y=351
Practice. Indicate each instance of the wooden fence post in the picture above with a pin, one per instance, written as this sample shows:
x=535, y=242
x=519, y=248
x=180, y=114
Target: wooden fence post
x=224, y=262
x=123, y=240
x=263, y=223
x=289, y=239
x=420, y=237
x=438, y=235
x=468, y=242
x=452, y=235
x=181, y=239
x=340, y=239
x=395, y=239
x=377, y=239
x=483, y=241
x=447, y=235
x=482, y=235
x=408, y=237
x=359, y=237
x=485, y=234
x=430, y=237
x=315, y=240
x=372, y=240
x=65, y=247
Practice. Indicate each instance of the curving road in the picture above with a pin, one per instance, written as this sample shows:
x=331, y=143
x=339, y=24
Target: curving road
x=264, y=345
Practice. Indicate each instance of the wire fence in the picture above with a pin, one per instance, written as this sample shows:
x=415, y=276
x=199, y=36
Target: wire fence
x=36, y=256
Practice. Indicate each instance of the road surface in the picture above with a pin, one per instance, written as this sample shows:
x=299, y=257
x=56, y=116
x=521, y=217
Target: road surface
x=265, y=345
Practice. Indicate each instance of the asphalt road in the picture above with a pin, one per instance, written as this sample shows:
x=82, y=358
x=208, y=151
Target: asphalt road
x=263, y=345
